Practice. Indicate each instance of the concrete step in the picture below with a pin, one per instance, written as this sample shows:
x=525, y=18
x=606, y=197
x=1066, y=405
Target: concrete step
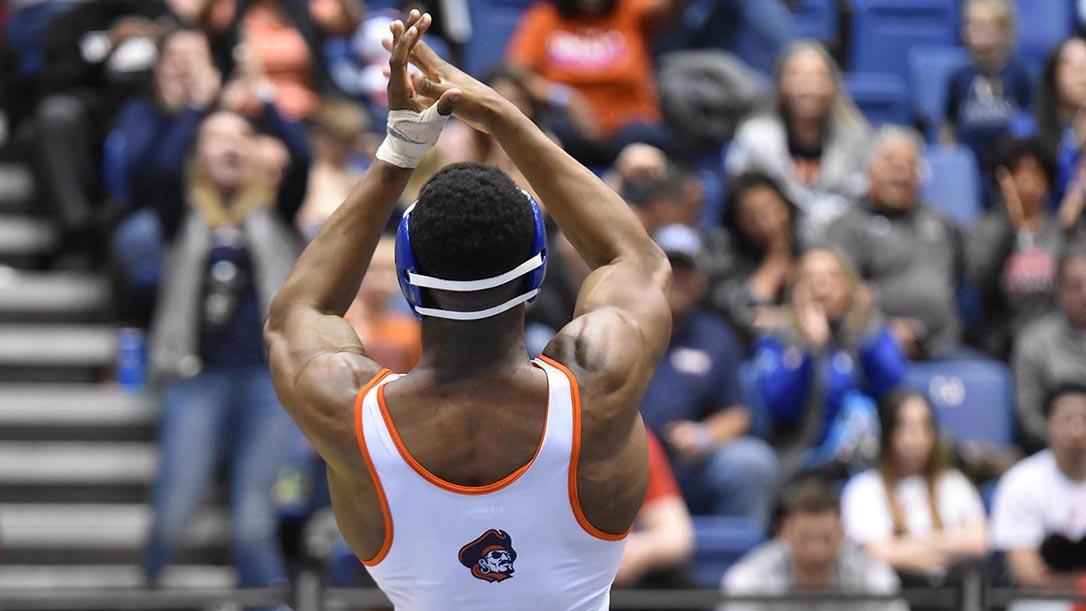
x=56, y=296
x=76, y=463
x=26, y=236
x=68, y=345
x=73, y=405
x=96, y=528
x=112, y=576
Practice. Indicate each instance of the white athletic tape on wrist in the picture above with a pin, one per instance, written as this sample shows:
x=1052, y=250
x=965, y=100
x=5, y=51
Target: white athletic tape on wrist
x=410, y=136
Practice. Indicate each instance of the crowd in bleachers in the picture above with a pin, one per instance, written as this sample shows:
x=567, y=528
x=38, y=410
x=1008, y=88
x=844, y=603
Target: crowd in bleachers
x=873, y=210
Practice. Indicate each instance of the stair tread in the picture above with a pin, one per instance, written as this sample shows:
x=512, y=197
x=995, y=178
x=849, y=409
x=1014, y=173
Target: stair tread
x=59, y=463
x=54, y=292
x=98, y=526
x=25, y=235
x=111, y=576
x=73, y=404
x=53, y=344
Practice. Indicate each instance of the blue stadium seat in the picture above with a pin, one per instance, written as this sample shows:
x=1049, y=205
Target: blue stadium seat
x=1042, y=24
x=815, y=19
x=930, y=69
x=883, y=31
x=881, y=97
x=973, y=398
x=953, y=183
x=492, y=24
x=718, y=543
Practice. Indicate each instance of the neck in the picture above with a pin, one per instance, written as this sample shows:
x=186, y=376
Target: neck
x=807, y=132
x=458, y=350
x=814, y=577
x=1074, y=466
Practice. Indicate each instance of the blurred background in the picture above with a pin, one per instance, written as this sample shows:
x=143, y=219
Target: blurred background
x=876, y=382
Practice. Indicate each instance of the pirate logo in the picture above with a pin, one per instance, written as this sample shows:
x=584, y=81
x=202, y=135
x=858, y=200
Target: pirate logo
x=490, y=557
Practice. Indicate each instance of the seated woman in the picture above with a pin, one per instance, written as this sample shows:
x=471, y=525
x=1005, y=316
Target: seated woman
x=1012, y=252
x=819, y=370
x=593, y=57
x=812, y=139
x=914, y=511
x=754, y=252
x=1059, y=119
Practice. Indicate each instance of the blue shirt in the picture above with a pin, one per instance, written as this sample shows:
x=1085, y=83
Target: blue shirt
x=981, y=107
x=699, y=375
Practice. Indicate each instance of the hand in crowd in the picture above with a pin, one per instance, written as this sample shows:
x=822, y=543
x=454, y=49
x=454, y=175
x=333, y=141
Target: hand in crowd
x=134, y=27
x=691, y=440
x=907, y=336
x=1074, y=201
x=864, y=306
x=545, y=92
x=810, y=316
x=1011, y=201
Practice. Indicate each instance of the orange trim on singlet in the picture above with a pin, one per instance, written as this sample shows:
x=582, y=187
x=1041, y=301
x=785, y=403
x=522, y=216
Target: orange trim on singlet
x=360, y=436
x=575, y=455
x=446, y=485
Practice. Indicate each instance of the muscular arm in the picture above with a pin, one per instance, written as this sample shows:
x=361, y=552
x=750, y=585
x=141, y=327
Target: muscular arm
x=317, y=360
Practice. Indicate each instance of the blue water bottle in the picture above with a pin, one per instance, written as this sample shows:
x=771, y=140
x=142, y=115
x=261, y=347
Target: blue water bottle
x=131, y=359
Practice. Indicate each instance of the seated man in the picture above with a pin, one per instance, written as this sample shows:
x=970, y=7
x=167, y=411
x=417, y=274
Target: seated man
x=1039, y=510
x=809, y=555
x=1050, y=351
x=909, y=253
x=694, y=403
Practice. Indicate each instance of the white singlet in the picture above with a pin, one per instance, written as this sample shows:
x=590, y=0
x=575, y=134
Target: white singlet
x=519, y=543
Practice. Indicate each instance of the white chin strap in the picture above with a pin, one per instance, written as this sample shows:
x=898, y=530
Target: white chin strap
x=465, y=286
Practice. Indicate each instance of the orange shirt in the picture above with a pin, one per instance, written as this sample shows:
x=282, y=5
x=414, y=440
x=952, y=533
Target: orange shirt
x=285, y=57
x=661, y=479
x=392, y=340
x=605, y=58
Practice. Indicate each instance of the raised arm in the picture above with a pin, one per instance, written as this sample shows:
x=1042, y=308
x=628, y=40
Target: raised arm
x=623, y=321
x=318, y=363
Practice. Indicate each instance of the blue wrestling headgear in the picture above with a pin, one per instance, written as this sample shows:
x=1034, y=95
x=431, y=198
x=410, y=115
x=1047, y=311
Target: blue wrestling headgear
x=412, y=282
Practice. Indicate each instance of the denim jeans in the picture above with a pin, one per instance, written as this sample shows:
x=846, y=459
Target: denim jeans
x=231, y=411
x=738, y=479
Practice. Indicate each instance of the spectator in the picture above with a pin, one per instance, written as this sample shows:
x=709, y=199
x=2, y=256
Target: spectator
x=1049, y=352
x=695, y=403
x=662, y=540
x=812, y=140
x=22, y=32
x=282, y=39
x=390, y=333
x=228, y=261
x=1012, y=252
x=1060, y=110
x=907, y=251
x=1039, y=511
x=184, y=85
x=593, y=57
x=754, y=253
x=819, y=372
x=339, y=127
x=95, y=54
x=810, y=554
x=985, y=96
x=914, y=511
x=459, y=142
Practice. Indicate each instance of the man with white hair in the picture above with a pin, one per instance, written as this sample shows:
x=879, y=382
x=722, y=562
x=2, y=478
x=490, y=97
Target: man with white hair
x=907, y=251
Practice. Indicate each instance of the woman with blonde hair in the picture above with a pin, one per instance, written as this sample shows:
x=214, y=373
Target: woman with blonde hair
x=821, y=368
x=914, y=511
x=812, y=138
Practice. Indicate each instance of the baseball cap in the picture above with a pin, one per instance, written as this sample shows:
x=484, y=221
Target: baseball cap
x=682, y=244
